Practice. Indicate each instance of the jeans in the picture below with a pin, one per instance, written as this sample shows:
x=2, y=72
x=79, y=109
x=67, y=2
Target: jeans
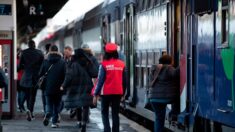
x=114, y=101
x=30, y=95
x=160, y=113
x=53, y=103
x=82, y=114
x=21, y=96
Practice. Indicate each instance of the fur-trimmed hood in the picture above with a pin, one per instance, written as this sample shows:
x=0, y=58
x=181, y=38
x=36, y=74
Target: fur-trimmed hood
x=54, y=57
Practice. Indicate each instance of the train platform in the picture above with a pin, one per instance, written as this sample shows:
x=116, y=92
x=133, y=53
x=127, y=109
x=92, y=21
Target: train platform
x=20, y=124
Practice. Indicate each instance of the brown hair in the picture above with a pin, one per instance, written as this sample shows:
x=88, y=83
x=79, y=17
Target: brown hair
x=165, y=59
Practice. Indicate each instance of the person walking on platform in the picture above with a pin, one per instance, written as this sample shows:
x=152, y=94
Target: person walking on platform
x=47, y=48
x=78, y=86
x=20, y=93
x=89, y=55
x=30, y=61
x=68, y=53
x=53, y=68
x=111, y=86
x=164, y=89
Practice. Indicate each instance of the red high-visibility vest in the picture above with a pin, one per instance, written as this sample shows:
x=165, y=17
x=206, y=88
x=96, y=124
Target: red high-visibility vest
x=113, y=79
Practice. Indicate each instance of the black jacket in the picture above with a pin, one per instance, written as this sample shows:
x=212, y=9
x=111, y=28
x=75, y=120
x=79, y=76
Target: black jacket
x=167, y=83
x=56, y=74
x=78, y=86
x=30, y=61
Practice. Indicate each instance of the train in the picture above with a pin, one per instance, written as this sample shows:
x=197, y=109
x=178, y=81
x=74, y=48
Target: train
x=199, y=34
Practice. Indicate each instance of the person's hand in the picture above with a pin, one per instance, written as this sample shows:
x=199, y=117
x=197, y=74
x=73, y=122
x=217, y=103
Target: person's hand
x=122, y=99
x=95, y=98
x=61, y=88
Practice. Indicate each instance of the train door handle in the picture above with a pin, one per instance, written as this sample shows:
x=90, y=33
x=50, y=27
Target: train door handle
x=224, y=111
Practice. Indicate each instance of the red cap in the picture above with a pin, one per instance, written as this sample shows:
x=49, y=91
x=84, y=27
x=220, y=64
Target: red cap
x=110, y=47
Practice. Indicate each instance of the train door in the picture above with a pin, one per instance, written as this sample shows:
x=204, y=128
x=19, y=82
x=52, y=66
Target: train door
x=129, y=49
x=224, y=61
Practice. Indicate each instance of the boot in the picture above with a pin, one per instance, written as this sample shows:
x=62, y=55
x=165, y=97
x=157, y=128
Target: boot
x=83, y=128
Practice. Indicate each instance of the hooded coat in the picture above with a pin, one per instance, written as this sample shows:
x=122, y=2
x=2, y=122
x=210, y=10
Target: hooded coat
x=77, y=83
x=56, y=74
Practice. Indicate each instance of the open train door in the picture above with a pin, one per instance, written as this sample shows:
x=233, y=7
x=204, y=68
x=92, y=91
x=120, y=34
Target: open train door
x=6, y=63
x=129, y=51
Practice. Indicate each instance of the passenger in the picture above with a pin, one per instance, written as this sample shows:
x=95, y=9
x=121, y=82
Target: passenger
x=47, y=48
x=68, y=52
x=21, y=94
x=111, y=86
x=89, y=54
x=164, y=89
x=54, y=69
x=78, y=86
x=30, y=61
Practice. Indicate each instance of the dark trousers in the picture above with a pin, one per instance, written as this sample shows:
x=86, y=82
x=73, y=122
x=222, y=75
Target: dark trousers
x=160, y=113
x=114, y=101
x=53, y=104
x=30, y=94
x=82, y=114
x=44, y=100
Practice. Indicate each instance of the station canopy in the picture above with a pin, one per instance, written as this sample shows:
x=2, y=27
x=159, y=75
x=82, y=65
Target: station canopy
x=38, y=18
x=33, y=14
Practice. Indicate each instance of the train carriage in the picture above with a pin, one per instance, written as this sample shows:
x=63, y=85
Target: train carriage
x=198, y=34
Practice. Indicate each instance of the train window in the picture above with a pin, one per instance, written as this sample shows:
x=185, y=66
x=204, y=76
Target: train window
x=164, y=1
x=224, y=22
x=150, y=4
x=205, y=6
x=150, y=58
x=157, y=56
x=105, y=29
x=140, y=5
x=138, y=58
x=157, y=2
x=144, y=58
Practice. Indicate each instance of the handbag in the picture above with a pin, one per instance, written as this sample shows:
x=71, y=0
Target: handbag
x=147, y=100
x=42, y=79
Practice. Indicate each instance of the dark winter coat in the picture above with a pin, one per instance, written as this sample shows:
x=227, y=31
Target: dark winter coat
x=30, y=61
x=167, y=83
x=56, y=74
x=78, y=86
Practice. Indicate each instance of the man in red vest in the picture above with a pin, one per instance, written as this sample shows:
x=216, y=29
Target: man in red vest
x=111, y=86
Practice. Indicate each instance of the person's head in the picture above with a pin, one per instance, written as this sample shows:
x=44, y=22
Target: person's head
x=85, y=46
x=53, y=48
x=31, y=44
x=110, y=51
x=47, y=47
x=87, y=49
x=165, y=60
x=68, y=51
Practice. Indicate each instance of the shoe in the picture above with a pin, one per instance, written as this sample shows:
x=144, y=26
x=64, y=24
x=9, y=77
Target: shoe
x=46, y=120
x=59, y=119
x=72, y=113
x=54, y=125
x=83, y=128
x=79, y=124
x=29, y=115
